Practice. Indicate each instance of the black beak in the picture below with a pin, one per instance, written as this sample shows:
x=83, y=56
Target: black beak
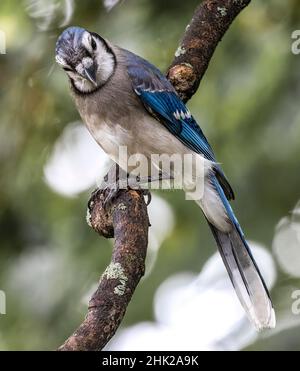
x=90, y=74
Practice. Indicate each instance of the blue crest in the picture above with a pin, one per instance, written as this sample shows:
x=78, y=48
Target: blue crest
x=69, y=41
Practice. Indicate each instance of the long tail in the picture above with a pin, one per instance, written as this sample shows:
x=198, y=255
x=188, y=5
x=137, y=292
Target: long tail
x=242, y=268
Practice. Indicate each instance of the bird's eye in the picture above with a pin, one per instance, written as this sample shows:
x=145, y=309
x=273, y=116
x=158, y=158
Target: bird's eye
x=93, y=44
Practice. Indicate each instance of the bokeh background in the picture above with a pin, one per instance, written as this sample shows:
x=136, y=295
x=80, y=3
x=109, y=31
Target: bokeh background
x=248, y=105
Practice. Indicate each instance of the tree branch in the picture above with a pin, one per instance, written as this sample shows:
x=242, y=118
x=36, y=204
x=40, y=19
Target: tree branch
x=127, y=220
x=210, y=22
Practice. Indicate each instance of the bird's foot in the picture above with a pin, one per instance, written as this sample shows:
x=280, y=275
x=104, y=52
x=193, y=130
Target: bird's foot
x=111, y=187
x=111, y=194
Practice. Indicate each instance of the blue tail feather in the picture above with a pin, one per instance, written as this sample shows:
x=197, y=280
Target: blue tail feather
x=242, y=268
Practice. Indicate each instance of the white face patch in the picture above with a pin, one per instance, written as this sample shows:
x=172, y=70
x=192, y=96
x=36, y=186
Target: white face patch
x=87, y=41
x=87, y=62
x=105, y=61
x=82, y=84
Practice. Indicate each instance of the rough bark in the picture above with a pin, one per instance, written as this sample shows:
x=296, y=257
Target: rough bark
x=210, y=22
x=127, y=220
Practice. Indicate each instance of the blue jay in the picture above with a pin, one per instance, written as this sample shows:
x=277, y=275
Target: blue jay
x=126, y=101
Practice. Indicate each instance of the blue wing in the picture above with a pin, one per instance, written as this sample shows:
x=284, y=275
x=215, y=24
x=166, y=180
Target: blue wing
x=161, y=100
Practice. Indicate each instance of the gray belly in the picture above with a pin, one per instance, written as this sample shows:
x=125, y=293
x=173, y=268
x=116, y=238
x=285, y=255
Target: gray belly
x=144, y=146
x=146, y=136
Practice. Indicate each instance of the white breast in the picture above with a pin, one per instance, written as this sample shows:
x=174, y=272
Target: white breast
x=143, y=138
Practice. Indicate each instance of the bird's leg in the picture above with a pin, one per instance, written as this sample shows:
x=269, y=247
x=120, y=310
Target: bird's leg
x=111, y=185
x=114, y=181
x=117, y=179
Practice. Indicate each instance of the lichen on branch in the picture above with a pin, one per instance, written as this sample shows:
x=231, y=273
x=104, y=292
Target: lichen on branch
x=210, y=22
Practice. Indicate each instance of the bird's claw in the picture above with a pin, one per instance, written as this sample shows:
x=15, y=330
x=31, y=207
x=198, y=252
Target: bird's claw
x=146, y=193
x=110, y=191
x=111, y=195
x=94, y=195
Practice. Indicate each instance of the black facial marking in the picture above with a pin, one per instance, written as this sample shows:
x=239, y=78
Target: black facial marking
x=68, y=69
x=93, y=44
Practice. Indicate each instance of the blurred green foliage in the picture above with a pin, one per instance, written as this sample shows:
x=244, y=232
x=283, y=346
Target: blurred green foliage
x=247, y=105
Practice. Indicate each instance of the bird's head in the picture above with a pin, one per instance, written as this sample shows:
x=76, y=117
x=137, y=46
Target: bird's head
x=86, y=57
